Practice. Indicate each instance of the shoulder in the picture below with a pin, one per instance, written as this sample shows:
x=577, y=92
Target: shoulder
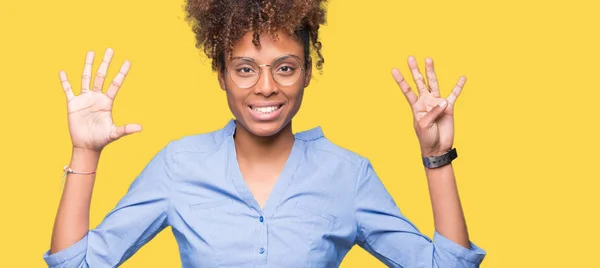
x=188, y=156
x=199, y=143
x=330, y=149
x=321, y=147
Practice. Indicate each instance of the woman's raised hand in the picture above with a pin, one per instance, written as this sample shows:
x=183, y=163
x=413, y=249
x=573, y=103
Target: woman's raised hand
x=90, y=113
x=433, y=115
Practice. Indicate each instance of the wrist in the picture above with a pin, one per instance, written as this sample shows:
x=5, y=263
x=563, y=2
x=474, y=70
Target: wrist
x=85, y=151
x=84, y=159
x=435, y=152
x=443, y=168
x=437, y=160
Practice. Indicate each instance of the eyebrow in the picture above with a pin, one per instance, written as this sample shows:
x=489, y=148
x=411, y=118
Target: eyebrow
x=280, y=57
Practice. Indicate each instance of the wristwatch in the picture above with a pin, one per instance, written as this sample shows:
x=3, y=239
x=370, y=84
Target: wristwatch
x=440, y=160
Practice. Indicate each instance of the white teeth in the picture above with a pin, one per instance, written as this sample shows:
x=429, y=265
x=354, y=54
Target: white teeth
x=265, y=110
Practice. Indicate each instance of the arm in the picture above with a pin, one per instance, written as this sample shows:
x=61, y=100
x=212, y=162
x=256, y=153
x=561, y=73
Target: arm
x=448, y=215
x=392, y=238
x=434, y=125
x=139, y=216
x=383, y=230
x=72, y=219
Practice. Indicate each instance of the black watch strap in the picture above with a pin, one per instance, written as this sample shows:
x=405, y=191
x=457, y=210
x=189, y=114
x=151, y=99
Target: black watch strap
x=440, y=160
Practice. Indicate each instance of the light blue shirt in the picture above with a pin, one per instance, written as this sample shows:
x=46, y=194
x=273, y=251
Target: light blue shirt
x=327, y=200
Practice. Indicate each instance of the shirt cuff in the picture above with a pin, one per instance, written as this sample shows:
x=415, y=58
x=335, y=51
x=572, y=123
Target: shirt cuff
x=69, y=253
x=474, y=255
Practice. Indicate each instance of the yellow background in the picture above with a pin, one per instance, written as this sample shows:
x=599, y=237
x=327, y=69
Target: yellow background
x=526, y=123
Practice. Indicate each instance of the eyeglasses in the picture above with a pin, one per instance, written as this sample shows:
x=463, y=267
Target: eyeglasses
x=245, y=73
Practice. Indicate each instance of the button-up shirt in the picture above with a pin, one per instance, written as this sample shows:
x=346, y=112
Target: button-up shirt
x=326, y=200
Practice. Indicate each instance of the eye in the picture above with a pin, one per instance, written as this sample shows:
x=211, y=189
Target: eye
x=245, y=70
x=286, y=69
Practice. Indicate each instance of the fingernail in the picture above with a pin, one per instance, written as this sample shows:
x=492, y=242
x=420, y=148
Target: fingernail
x=443, y=103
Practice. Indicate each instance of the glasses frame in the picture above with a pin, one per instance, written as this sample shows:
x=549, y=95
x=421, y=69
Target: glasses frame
x=302, y=69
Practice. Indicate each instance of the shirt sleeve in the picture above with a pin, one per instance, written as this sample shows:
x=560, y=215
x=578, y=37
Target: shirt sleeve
x=389, y=236
x=137, y=218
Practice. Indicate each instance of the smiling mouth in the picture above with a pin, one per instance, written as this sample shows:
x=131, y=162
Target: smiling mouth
x=266, y=109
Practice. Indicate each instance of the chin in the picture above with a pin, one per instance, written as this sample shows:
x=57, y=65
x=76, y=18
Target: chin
x=264, y=129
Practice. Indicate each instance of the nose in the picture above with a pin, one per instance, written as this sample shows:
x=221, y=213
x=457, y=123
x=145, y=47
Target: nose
x=266, y=84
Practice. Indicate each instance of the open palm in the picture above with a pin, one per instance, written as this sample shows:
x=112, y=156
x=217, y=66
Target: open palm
x=433, y=115
x=90, y=113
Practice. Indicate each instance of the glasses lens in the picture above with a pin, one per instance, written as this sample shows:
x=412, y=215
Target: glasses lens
x=244, y=73
x=286, y=70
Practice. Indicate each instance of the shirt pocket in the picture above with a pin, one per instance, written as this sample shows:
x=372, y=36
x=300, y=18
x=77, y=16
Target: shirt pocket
x=206, y=213
x=316, y=212
x=317, y=225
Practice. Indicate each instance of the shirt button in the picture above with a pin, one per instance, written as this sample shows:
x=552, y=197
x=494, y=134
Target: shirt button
x=261, y=219
x=261, y=251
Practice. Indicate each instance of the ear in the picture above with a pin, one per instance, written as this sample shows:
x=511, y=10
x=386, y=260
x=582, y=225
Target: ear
x=221, y=76
x=308, y=74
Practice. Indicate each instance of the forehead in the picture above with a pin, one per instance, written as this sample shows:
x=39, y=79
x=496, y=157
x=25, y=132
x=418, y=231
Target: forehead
x=269, y=49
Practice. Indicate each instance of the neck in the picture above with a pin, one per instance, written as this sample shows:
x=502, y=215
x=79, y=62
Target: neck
x=257, y=149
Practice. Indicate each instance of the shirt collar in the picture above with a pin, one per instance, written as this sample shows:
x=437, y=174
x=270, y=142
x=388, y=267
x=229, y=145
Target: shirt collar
x=307, y=135
x=229, y=129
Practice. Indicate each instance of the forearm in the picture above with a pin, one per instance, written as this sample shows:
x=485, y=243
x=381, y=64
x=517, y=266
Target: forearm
x=447, y=211
x=72, y=219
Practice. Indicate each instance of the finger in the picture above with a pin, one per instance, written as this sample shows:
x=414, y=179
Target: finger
x=456, y=91
x=66, y=85
x=125, y=130
x=410, y=95
x=417, y=76
x=429, y=119
x=432, y=78
x=86, y=77
x=118, y=81
x=102, y=70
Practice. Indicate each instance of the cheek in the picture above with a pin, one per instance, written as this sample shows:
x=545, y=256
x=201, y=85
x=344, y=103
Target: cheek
x=299, y=97
x=296, y=101
x=235, y=102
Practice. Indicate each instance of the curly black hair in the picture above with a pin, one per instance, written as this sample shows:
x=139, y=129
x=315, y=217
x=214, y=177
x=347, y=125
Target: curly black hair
x=218, y=24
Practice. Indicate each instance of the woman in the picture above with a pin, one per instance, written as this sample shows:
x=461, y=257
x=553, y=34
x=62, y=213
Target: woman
x=254, y=194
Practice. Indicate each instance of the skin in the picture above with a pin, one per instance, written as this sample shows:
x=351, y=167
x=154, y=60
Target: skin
x=434, y=125
x=262, y=147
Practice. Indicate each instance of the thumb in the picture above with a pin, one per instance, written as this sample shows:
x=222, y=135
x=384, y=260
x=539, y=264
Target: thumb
x=429, y=119
x=126, y=130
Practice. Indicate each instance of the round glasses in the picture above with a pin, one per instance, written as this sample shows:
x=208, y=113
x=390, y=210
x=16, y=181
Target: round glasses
x=245, y=73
